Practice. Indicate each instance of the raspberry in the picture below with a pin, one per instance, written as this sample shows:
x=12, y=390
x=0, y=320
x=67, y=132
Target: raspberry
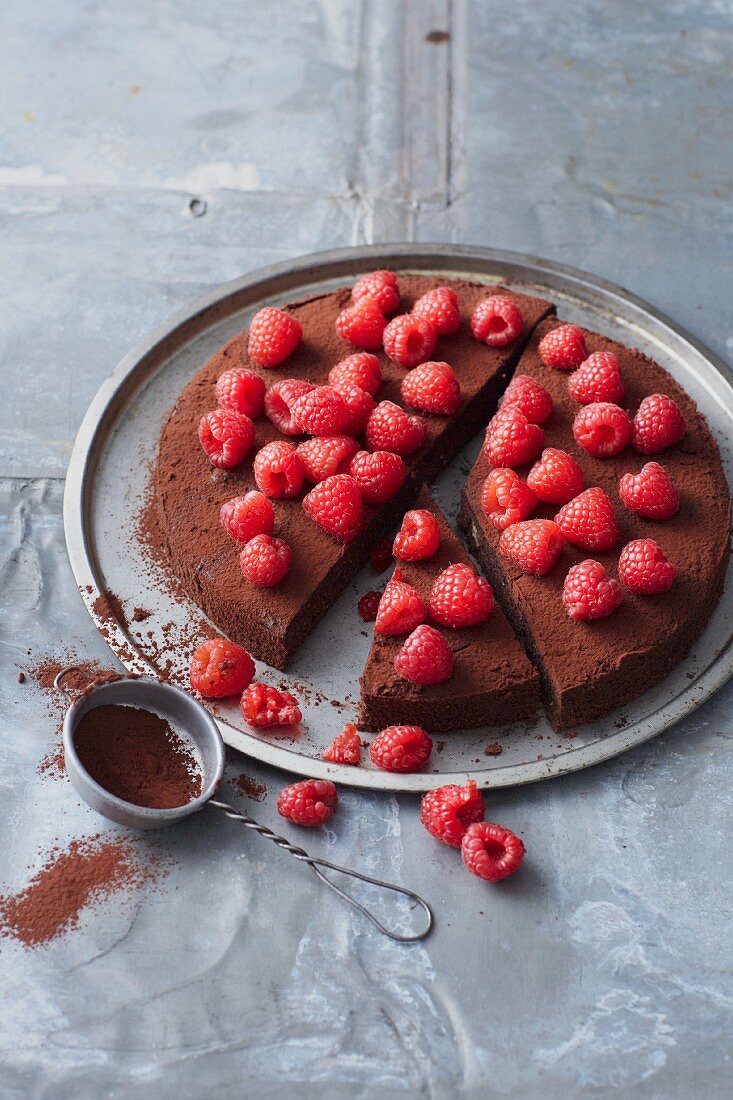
x=369, y=606
x=419, y=536
x=279, y=401
x=658, y=424
x=432, y=388
x=335, y=504
x=247, y=516
x=226, y=436
x=535, y=545
x=381, y=287
x=529, y=396
x=362, y=324
x=401, y=749
x=490, y=851
x=425, y=657
x=265, y=707
x=563, y=347
x=361, y=369
x=597, y=379
x=650, y=493
x=556, y=478
x=409, y=340
x=510, y=438
x=439, y=307
x=588, y=521
x=265, y=561
x=321, y=411
x=309, y=803
x=460, y=597
x=360, y=405
x=390, y=428
x=645, y=569
x=505, y=499
x=346, y=748
x=497, y=320
x=220, y=668
x=381, y=556
x=448, y=811
x=379, y=475
x=278, y=470
x=588, y=591
x=241, y=390
x=602, y=429
x=273, y=336
x=401, y=609
x=326, y=455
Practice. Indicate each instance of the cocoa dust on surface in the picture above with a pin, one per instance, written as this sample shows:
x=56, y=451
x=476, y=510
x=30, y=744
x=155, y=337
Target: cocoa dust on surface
x=250, y=787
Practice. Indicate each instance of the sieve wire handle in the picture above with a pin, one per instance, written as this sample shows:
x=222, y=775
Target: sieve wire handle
x=316, y=864
x=58, y=682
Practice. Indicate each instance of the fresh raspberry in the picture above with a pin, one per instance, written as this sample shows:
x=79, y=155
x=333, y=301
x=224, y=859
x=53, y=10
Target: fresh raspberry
x=439, y=307
x=490, y=851
x=460, y=597
x=505, y=499
x=369, y=606
x=556, y=477
x=409, y=340
x=650, y=493
x=645, y=568
x=419, y=536
x=265, y=707
x=360, y=405
x=381, y=287
x=309, y=803
x=273, y=336
x=588, y=521
x=226, y=436
x=346, y=748
x=529, y=396
x=535, y=545
x=279, y=401
x=597, y=379
x=335, y=504
x=247, y=516
x=220, y=668
x=265, y=561
x=379, y=475
x=497, y=320
x=362, y=324
x=401, y=749
x=657, y=425
x=563, y=347
x=390, y=428
x=401, y=609
x=425, y=657
x=241, y=390
x=278, y=470
x=326, y=455
x=448, y=811
x=602, y=429
x=510, y=438
x=432, y=388
x=588, y=591
x=361, y=369
x=381, y=556
x=321, y=411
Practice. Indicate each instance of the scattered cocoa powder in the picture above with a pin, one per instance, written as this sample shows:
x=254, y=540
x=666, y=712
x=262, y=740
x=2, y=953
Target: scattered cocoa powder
x=108, y=607
x=139, y=615
x=493, y=749
x=250, y=787
x=21, y=677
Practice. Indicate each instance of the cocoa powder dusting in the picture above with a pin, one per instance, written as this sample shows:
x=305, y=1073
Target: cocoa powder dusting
x=250, y=787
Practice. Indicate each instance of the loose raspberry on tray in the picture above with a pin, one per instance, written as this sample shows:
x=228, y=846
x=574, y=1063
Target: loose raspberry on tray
x=361, y=369
x=321, y=411
x=510, y=438
x=645, y=569
x=309, y=803
x=346, y=748
x=325, y=455
x=425, y=657
x=556, y=477
x=265, y=707
x=588, y=521
x=448, y=811
x=602, y=429
x=368, y=606
x=409, y=340
x=440, y=308
x=534, y=545
x=335, y=504
x=401, y=609
x=650, y=493
x=241, y=390
x=657, y=425
x=273, y=336
x=360, y=405
x=362, y=324
x=432, y=388
x=220, y=668
x=247, y=516
x=589, y=593
x=381, y=287
x=563, y=347
x=497, y=321
x=379, y=475
x=418, y=538
x=490, y=851
x=226, y=436
x=598, y=378
x=390, y=428
x=460, y=597
x=401, y=749
x=530, y=396
x=265, y=561
x=278, y=470
x=505, y=499
x=279, y=402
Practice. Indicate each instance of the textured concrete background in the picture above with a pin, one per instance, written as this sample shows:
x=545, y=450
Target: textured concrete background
x=594, y=132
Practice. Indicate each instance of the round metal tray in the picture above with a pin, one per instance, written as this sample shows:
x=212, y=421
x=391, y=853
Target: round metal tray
x=108, y=477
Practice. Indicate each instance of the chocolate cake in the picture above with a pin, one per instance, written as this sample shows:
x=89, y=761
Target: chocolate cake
x=493, y=682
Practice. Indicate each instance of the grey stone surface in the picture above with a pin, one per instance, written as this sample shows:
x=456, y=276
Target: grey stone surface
x=598, y=134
